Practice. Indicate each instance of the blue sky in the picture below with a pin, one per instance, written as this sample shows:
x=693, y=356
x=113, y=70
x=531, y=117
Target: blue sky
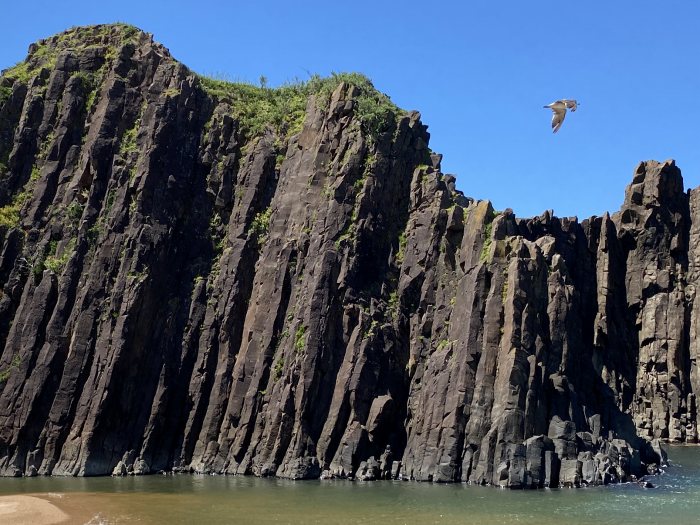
x=479, y=72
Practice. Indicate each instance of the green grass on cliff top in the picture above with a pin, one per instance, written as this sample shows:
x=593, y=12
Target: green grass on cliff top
x=46, y=51
x=257, y=107
x=284, y=108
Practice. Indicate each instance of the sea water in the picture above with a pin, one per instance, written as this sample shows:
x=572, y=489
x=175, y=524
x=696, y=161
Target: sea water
x=201, y=500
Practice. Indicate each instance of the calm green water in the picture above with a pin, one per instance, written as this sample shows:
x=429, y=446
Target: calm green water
x=216, y=499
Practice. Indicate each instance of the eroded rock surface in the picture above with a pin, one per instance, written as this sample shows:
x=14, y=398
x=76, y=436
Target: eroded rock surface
x=183, y=289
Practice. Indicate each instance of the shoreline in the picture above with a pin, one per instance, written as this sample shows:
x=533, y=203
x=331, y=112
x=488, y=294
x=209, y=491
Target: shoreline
x=213, y=499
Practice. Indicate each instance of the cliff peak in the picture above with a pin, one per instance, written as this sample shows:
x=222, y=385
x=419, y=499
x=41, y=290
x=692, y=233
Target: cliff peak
x=654, y=182
x=103, y=38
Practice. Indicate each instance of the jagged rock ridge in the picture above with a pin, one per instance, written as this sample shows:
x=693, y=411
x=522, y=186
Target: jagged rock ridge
x=218, y=278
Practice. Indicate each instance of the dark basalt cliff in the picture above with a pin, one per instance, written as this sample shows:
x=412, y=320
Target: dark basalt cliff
x=221, y=278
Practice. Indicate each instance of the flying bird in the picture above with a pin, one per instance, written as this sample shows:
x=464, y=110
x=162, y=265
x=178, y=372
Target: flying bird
x=559, y=109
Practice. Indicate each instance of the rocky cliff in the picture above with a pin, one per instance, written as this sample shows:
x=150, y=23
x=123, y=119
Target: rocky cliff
x=204, y=276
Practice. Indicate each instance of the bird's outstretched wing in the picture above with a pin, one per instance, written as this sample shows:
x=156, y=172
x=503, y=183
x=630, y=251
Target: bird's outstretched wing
x=559, y=104
x=557, y=118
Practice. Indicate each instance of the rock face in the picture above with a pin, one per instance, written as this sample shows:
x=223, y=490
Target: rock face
x=207, y=277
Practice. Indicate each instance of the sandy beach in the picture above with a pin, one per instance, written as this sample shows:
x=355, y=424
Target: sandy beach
x=29, y=510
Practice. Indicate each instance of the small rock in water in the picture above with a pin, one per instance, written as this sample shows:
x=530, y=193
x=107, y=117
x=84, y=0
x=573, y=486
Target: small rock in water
x=120, y=469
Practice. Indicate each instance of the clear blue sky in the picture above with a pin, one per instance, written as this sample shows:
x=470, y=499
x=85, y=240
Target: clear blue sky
x=479, y=72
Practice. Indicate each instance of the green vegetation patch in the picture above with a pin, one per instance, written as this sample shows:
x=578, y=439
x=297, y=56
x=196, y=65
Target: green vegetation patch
x=299, y=338
x=56, y=263
x=442, y=344
x=278, y=369
x=402, y=248
x=258, y=108
x=75, y=212
x=5, y=94
x=260, y=226
x=347, y=236
x=9, y=214
x=394, y=304
x=5, y=374
x=283, y=109
x=91, y=83
x=45, y=52
x=371, y=330
x=128, y=142
x=216, y=231
x=374, y=109
x=487, y=242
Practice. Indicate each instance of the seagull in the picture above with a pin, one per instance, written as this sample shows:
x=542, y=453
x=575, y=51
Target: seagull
x=559, y=109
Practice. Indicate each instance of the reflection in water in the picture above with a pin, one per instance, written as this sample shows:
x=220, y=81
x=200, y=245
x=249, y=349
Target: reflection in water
x=185, y=499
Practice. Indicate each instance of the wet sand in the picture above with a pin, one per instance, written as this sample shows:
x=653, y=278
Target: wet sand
x=30, y=510
x=52, y=508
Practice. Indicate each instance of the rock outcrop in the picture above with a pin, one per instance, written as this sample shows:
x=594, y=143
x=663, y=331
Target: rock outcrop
x=211, y=277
